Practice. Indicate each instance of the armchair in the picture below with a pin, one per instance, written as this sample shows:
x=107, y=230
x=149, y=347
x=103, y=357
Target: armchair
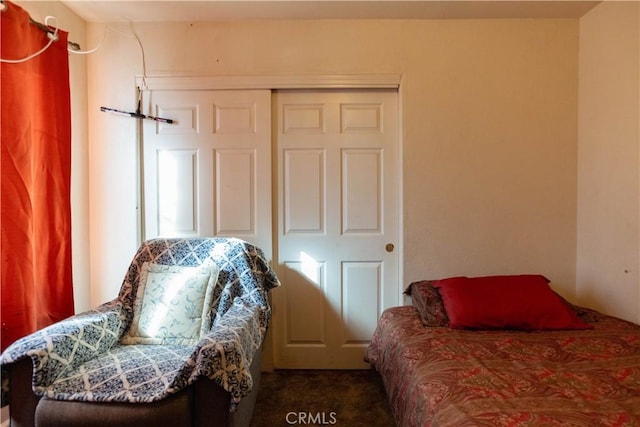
x=134, y=362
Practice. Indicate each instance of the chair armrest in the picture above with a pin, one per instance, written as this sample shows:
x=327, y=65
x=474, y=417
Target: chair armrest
x=226, y=353
x=68, y=343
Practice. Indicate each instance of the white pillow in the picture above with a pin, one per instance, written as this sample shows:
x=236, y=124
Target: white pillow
x=172, y=304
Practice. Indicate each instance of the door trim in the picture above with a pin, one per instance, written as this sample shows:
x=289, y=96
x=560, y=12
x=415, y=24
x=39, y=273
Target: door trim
x=336, y=81
x=275, y=82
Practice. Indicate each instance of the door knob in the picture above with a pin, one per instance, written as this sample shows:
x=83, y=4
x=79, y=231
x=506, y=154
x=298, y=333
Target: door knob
x=389, y=247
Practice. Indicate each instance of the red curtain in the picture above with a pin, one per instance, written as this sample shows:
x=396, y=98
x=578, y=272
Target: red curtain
x=35, y=118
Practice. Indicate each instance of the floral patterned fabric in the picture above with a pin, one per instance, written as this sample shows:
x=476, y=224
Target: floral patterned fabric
x=172, y=304
x=427, y=300
x=438, y=376
x=82, y=358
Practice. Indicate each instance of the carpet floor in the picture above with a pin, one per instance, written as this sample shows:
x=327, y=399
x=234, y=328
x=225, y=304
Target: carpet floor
x=322, y=397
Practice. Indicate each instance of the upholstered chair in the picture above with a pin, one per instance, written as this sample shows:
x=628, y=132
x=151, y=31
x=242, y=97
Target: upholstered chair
x=179, y=346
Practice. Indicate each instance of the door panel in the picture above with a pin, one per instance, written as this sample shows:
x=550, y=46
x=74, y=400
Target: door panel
x=304, y=183
x=337, y=155
x=235, y=198
x=361, y=191
x=178, y=205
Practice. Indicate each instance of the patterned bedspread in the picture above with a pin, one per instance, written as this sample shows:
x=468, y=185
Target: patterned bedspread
x=446, y=377
x=81, y=358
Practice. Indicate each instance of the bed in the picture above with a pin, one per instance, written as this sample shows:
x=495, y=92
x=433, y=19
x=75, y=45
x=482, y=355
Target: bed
x=438, y=371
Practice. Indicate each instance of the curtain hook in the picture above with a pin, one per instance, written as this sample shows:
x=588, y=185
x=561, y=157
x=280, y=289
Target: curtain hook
x=52, y=36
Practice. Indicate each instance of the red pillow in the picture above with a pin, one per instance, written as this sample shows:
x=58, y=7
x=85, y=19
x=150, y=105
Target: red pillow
x=524, y=302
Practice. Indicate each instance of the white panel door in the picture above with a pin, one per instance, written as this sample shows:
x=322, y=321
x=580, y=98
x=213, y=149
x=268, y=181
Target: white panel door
x=337, y=175
x=209, y=172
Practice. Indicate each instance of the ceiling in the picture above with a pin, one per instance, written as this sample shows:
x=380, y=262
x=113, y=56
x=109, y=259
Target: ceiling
x=224, y=10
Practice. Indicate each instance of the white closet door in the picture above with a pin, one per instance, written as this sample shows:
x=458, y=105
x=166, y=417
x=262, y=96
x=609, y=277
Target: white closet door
x=209, y=172
x=338, y=223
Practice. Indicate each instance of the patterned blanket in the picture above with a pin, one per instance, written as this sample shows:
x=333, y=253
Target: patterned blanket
x=437, y=376
x=81, y=358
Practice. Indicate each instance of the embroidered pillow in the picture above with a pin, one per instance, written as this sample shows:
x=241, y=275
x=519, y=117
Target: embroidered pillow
x=524, y=302
x=172, y=305
x=428, y=302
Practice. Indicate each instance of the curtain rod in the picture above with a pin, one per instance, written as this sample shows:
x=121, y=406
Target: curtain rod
x=45, y=28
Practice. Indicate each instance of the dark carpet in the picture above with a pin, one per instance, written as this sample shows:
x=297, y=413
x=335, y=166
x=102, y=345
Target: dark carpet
x=322, y=397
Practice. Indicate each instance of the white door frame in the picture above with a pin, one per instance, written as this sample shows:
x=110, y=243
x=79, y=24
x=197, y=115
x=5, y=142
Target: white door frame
x=274, y=82
x=337, y=81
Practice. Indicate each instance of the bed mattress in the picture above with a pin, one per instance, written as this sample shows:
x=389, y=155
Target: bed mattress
x=439, y=376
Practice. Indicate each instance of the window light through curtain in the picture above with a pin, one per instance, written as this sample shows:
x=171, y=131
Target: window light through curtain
x=35, y=132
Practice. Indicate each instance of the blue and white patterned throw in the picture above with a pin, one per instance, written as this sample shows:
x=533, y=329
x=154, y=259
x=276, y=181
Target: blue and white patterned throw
x=81, y=358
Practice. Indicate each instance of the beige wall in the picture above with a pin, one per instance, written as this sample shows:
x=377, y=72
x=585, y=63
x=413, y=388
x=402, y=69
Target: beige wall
x=608, y=253
x=76, y=27
x=489, y=130
x=505, y=154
